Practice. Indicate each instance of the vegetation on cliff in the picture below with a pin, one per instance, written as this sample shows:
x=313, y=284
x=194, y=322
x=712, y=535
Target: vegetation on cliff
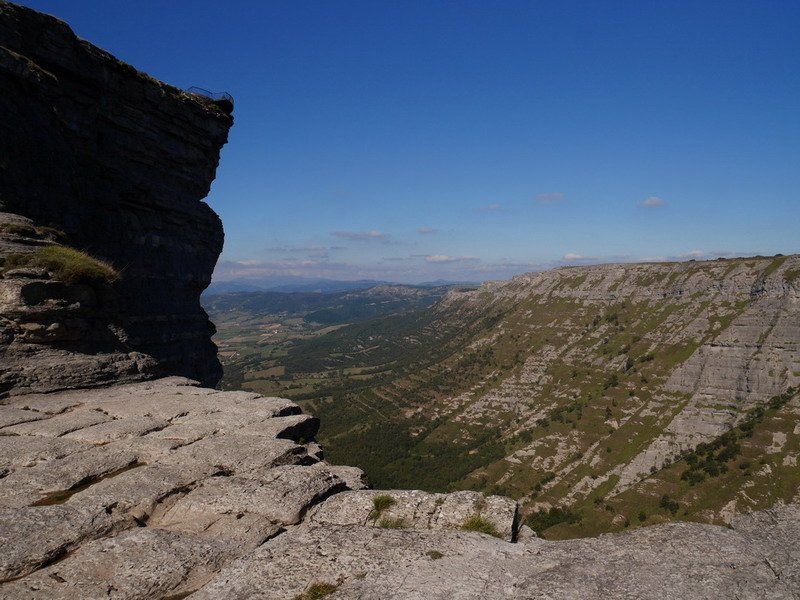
x=571, y=391
x=65, y=264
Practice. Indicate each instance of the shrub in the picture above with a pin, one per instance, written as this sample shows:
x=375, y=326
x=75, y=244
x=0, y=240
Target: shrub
x=544, y=519
x=434, y=554
x=392, y=523
x=380, y=503
x=668, y=504
x=316, y=591
x=481, y=525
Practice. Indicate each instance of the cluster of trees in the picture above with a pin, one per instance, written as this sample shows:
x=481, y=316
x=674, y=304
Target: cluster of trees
x=542, y=520
x=711, y=459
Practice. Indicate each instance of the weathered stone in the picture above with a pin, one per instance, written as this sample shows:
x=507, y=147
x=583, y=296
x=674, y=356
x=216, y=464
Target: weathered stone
x=35, y=484
x=26, y=451
x=282, y=495
x=140, y=564
x=676, y=561
x=117, y=429
x=11, y=416
x=297, y=428
x=32, y=537
x=238, y=515
x=418, y=510
x=58, y=425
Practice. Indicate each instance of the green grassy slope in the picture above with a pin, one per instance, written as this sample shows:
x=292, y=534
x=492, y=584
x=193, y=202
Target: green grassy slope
x=577, y=389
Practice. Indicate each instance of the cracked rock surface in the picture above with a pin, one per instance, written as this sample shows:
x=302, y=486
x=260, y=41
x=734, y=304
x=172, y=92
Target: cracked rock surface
x=167, y=490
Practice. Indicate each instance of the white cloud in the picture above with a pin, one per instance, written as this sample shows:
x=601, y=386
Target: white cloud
x=443, y=258
x=297, y=249
x=427, y=230
x=692, y=254
x=551, y=197
x=652, y=202
x=573, y=256
x=360, y=236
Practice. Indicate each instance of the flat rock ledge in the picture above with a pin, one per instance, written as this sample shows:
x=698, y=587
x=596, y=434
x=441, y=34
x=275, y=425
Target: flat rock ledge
x=168, y=490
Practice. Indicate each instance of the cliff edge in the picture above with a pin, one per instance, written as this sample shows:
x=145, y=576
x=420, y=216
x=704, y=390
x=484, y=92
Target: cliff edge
x=100, y=157
x=165, y=489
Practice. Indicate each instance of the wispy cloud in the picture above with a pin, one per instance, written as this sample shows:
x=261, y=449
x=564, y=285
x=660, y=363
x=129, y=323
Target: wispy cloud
x=652, y=202
x=575, y=256
x=550, y=197
x=692, y=254
x=427, y=230
x=443, y=258
x=360, y=236
x=293, y=249
x=494, y=206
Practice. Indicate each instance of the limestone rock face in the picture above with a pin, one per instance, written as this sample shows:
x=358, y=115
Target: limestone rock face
x=120, y=163
x=732, y=326
x=161, y=489
x=413, y=509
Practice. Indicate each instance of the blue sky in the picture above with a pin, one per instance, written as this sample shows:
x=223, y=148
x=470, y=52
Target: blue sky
x=419, y=140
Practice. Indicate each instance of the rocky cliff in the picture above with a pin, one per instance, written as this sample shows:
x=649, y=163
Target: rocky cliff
x=165, y=489
x=119, y=164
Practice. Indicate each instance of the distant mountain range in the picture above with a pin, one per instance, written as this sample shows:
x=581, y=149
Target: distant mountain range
x=309, y=285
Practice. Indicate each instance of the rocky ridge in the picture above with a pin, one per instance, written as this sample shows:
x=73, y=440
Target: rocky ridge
x=738, y=321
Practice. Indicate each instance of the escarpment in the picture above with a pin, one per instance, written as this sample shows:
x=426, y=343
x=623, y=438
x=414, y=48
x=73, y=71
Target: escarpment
x=119, y=163
x=164, y=489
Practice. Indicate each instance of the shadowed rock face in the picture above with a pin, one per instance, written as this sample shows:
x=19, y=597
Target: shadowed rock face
x=120, y=163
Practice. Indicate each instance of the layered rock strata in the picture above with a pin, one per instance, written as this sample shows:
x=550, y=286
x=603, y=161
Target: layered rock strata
x=737, y=321
x=166, y=490
x=120, y=163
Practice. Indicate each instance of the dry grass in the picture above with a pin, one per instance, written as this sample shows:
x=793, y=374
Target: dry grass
x=66, y=264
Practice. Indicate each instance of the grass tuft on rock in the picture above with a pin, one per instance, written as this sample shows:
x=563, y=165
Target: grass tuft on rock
x=72, y=266
x=380, y=503
x=316, y=591
x=392, y=523
x=18, y=229
x=481, y=525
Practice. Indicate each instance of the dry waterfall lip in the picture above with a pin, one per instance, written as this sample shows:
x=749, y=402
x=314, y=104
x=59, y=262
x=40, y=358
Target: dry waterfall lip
x=124, y=473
